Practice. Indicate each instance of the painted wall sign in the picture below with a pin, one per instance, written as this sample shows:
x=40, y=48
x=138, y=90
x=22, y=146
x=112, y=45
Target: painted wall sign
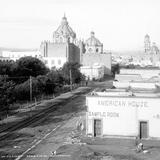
x=118, y=103
x=103, y=114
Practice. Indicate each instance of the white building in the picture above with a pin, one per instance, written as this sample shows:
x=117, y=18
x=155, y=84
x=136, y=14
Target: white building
x=145, y=73
x=93, y=72
x=121, y=113
x=57, y=62
x=15, y=55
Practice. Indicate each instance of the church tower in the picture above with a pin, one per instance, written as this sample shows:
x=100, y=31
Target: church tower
x=147, y=43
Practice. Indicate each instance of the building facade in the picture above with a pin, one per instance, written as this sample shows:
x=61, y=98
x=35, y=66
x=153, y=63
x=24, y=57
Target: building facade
x=92, y=72
x=121, y=113
x=15, y=55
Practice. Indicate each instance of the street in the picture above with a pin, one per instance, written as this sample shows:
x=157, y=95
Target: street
x=48, y=133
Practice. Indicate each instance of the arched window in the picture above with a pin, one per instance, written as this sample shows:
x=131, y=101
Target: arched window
x=59, y=62
x=60, y=39
x=52, y=61
x=90, y=49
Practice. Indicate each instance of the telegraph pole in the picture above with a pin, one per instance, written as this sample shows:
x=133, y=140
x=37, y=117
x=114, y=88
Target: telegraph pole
x=30, y=85
x=70, y=77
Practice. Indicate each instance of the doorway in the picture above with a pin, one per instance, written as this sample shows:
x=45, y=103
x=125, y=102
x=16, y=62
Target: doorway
x=97, y=127
x=143, y=129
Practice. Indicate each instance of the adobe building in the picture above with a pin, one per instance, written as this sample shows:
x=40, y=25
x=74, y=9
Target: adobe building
x=130, y=110
x=137, y=78
x=123, y=113
x=63, y=48
x=144, y=73
x=95, y=72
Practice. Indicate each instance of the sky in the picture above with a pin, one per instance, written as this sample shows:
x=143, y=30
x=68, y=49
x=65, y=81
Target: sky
x=118, y=24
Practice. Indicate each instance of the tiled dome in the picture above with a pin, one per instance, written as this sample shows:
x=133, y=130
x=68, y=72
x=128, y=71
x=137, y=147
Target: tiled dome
x=64, y=30
x=92, y=41
x=154, y=47
x=147, y=36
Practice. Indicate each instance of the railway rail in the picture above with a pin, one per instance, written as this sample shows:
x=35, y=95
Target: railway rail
x=6, y=133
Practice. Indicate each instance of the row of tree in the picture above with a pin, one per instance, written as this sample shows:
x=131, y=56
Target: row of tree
x=16, y=78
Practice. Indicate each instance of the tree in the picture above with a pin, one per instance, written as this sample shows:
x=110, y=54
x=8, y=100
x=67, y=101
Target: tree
x=30, y=66
x=6, y=94
x=54, y=81
x=72, y=70
x=115, y=69
x=6, y=67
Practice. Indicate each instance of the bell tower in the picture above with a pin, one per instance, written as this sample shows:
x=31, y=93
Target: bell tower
x=147, y=43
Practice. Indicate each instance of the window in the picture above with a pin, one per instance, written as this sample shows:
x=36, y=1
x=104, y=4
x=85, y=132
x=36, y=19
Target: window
x=52, y=62
x=59, y=62
x=97, y=50
x=90, y=49
x=60, y=39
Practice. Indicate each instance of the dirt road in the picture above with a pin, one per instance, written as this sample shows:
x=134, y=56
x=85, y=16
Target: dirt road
x=58, y=137
x=37, y=141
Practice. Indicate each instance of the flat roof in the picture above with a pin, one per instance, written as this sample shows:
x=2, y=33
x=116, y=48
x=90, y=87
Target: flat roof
x=134, y=93
x=141, y=68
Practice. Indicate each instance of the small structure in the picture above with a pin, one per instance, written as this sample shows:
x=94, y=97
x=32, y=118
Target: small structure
x=93, y=72
x=145, y=73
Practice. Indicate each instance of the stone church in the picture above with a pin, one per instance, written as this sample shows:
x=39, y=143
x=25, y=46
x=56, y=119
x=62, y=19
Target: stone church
x=63, y=47
x=66, y=48
x=151, y=52
x=93, y=54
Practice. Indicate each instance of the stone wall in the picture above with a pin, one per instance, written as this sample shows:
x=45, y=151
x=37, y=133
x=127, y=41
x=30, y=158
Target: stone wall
x=74, y=53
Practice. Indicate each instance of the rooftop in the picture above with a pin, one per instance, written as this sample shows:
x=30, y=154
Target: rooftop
x=135, y=93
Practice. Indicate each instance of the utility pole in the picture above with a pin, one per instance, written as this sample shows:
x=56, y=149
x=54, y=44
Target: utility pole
x=70, y=77
x=30, y=85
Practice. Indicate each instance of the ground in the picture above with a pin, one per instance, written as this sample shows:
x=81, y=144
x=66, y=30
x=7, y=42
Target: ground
x=58, y=136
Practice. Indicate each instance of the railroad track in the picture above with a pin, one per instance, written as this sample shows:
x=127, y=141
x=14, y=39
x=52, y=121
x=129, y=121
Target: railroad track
x=6, y=133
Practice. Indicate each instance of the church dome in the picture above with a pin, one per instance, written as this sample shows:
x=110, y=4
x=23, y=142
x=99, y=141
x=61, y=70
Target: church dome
x=155, y=48
x=92, y=41
x=64, y=30
x=147, y=36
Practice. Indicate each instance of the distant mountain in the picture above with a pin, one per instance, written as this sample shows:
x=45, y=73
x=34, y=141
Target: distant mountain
x=17, y=49
x=129, y=52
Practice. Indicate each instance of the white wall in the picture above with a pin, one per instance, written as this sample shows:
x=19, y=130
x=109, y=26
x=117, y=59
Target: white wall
x=143, y=85
x=14, y=55
x=145, y=73
x=96, y=72
x=121, y=115
x=48, y=61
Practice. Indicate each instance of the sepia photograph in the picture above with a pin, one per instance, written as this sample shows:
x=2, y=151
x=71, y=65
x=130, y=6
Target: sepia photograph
x=79, y=80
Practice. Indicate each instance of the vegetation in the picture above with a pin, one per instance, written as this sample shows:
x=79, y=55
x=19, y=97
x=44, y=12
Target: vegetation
x=115, y=69
x=132, y=66
x=17, y=78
